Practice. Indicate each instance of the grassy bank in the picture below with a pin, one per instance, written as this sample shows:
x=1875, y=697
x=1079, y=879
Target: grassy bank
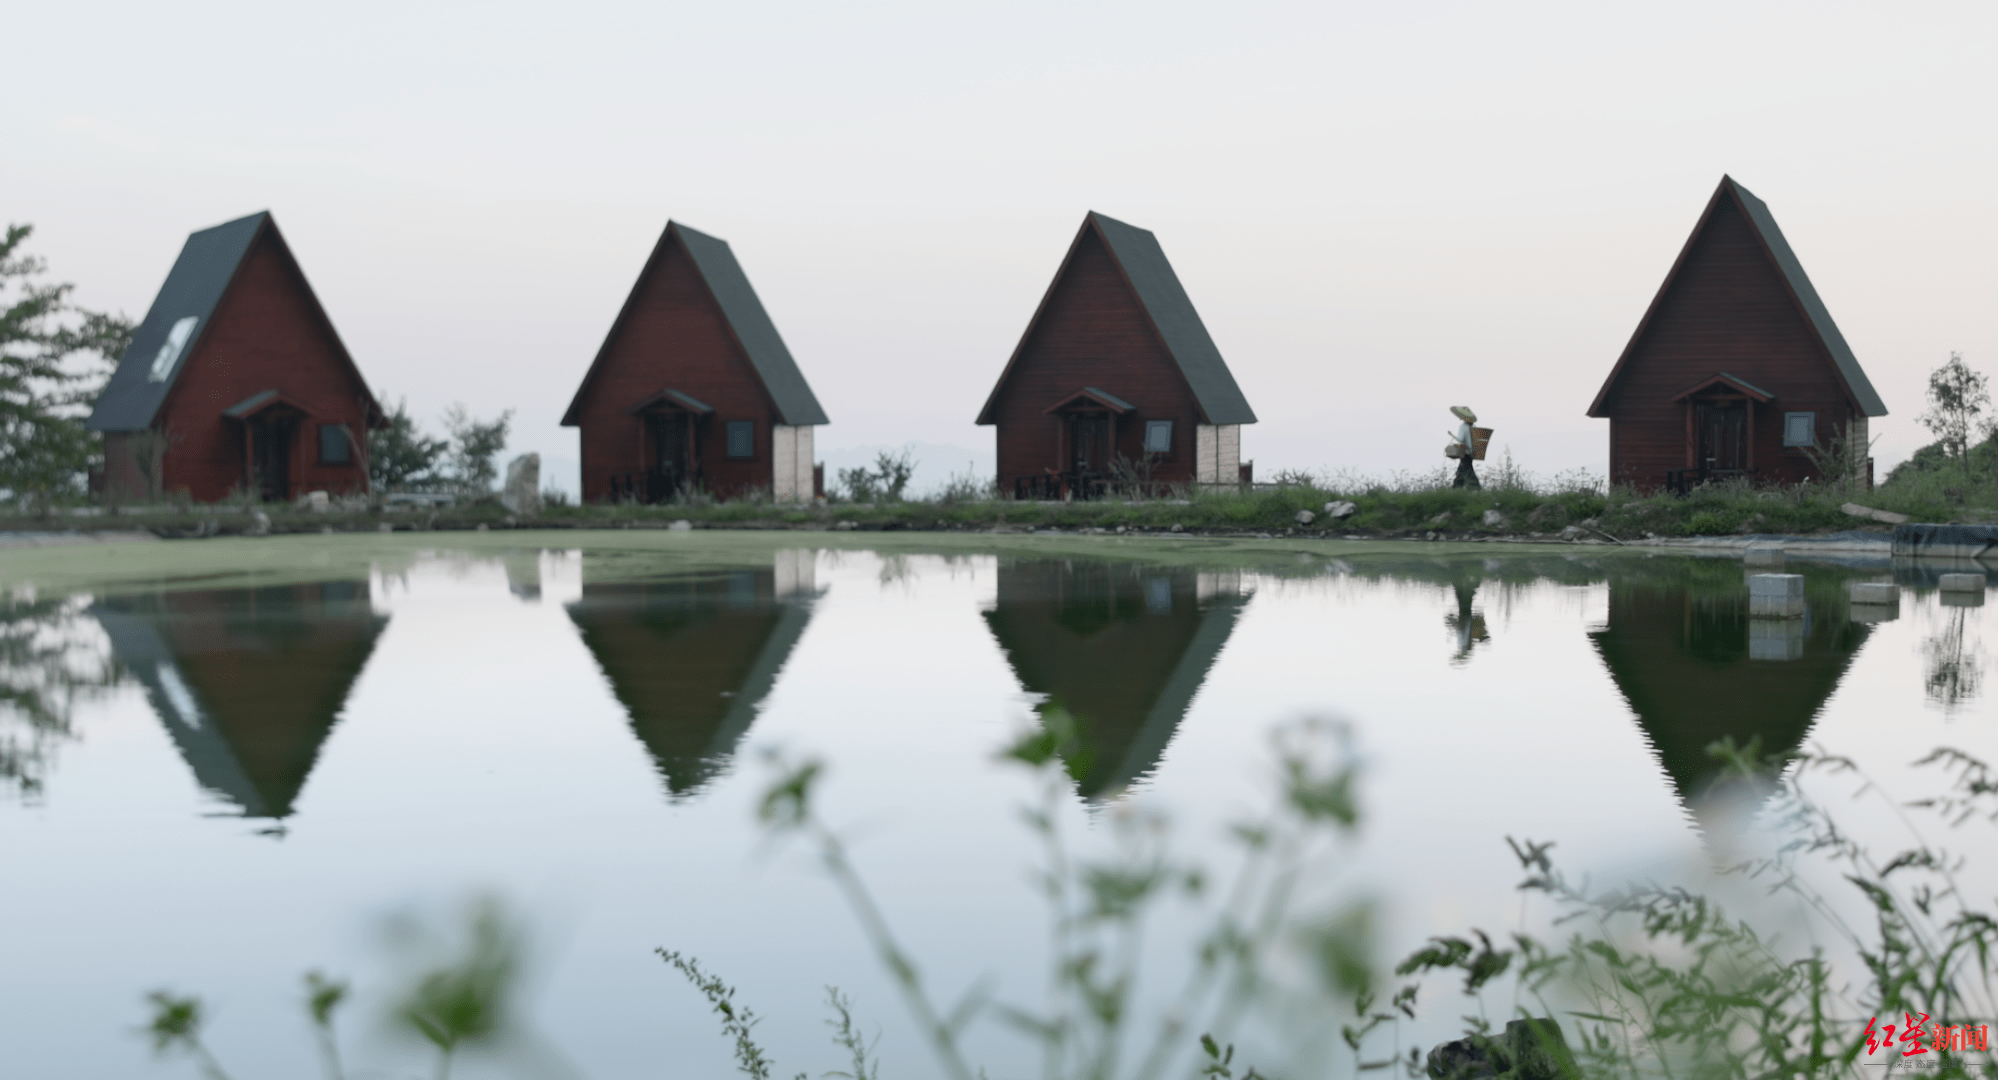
x=1380, y=511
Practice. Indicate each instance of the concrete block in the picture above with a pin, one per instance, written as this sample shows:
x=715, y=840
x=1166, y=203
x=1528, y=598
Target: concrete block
x=1763, y=553
x=1776, y=585
x=1961, y=599
x=1775, y=639
x=1960, y=582
x=1875, y=613
x=1874, y=592
x=1776, y=607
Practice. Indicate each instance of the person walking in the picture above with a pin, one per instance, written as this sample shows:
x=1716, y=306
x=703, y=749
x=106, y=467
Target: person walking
x=1463, y=448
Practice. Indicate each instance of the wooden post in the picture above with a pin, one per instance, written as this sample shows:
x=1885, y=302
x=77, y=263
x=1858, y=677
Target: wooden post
x=1692, y=437
x=1749, y=402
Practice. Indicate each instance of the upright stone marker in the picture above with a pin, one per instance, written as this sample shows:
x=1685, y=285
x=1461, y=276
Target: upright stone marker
x=522, y=493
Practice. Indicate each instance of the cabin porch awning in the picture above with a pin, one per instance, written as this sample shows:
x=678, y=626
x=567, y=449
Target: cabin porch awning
x=1090, y=396
x=261, y=402
x=1724, y=380
x=673, y=399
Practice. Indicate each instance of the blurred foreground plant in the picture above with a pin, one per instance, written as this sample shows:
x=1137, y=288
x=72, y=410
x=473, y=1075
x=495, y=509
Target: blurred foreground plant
x=1657, y=980
x=1098, y=906
x=463, y=998
x=1667, y=984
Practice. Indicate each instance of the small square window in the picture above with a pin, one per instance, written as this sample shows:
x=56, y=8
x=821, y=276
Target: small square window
x=741, y=438
x=1800, y=429
x=334, y=446
x=1158, y=436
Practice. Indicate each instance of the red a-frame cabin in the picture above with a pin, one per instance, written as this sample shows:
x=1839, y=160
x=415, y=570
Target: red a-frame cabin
x=1737, y=368
x=1115, y=373
x=236, y=382
x=693, y=387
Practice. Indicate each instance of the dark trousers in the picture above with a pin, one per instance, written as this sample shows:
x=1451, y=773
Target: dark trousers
x=1467, y=477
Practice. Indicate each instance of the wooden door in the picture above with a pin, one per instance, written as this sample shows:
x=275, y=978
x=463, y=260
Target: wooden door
x=672, y=453
x=1089, y=443
x=270, y=457
x=1722, y=428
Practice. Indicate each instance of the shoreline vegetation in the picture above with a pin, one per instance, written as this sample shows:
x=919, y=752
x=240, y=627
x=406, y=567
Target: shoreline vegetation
x=1404, y=509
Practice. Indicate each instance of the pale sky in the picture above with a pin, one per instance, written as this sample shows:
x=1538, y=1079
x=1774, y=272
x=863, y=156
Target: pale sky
x=1380, y=210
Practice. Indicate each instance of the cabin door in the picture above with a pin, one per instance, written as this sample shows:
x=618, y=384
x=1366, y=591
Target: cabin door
x=1722, y=428
x=672, y=450
x=1089, y=443
x=270, y=457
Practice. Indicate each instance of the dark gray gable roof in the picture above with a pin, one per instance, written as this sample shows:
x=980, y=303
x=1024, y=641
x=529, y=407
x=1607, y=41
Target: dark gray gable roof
x=786, y=385
x=193, y=287
x=1137, y=252
x=1764, y=225
x=1807, y=296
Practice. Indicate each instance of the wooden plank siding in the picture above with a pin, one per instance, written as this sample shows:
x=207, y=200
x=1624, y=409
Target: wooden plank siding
x=1726, y=308
x=267, y=333
x=1092, y=331
x=673, y=336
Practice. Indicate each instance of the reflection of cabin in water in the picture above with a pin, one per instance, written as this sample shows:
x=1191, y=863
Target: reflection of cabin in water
x=249, y=682
x=1122, y=647
x=693, y=387
x=1696, y=668
x=1115, y=369
x=1737, y=368
x=235, y=381
x=692, y=657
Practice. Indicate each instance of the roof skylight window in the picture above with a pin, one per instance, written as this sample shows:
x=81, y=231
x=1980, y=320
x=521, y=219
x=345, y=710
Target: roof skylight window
x=170, y=352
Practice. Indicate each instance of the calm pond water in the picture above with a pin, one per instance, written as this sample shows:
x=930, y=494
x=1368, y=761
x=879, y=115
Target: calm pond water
x=252, y=754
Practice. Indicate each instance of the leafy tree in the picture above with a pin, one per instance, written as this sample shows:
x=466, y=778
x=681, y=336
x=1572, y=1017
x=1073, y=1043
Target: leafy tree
x=474, y=445
x=1958, y=397
x=883, y=483
x=401, y=455
x=44, y=447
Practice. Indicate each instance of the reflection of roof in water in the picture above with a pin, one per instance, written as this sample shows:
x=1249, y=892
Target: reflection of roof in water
x=1696, y=669
x=1122, y=647
x=249, y=682
x=690, y=658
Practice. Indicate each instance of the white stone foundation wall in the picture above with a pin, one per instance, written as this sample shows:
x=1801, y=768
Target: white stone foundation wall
x=791, y=455
x=1217, y=453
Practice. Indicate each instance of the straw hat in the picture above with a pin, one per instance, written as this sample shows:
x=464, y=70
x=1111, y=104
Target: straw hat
x=1464, y=413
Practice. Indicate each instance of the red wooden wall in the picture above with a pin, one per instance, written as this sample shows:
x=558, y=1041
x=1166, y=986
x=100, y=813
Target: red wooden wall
x=1092, y=331
x=1728, y=310
x=673, y=336
x=267, y=333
